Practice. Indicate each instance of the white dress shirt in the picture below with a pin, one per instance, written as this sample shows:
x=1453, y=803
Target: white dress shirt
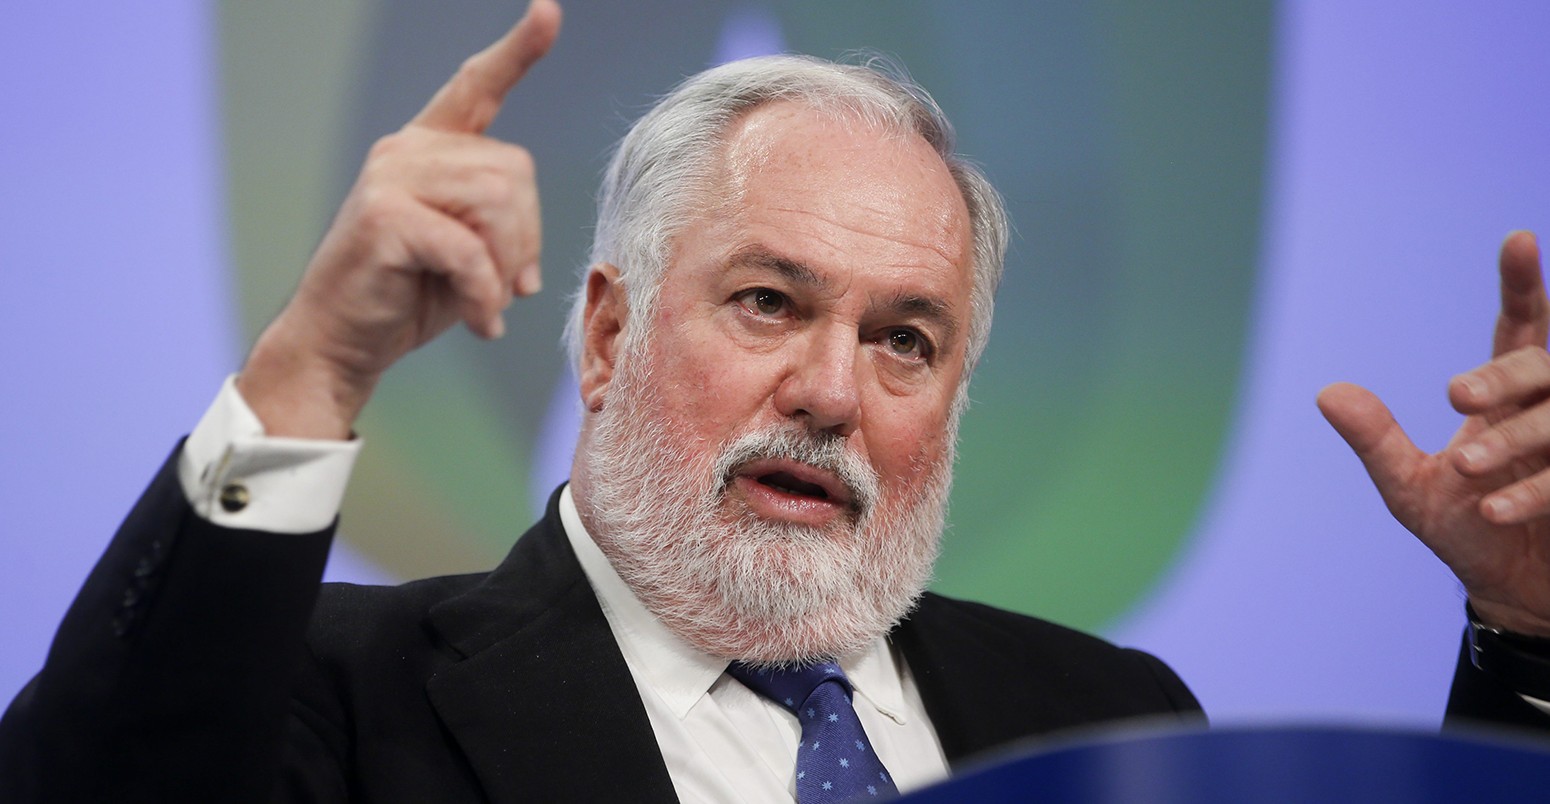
x=721, y=741
x=724, y=742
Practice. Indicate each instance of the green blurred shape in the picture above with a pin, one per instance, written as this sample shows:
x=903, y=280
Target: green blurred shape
x=1128, y=138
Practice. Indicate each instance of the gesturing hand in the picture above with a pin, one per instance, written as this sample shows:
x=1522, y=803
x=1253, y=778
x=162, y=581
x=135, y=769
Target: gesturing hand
x=1482, y=504
x=442, y=225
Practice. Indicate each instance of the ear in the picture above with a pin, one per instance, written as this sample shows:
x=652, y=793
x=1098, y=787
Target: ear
x=602, y=324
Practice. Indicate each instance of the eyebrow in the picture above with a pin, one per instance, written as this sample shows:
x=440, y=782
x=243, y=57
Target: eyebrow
x=764, y=259
x=936, y=311
x=902, y=305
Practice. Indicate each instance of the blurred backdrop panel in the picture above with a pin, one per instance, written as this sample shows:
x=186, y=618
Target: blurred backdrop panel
x=1219, y=208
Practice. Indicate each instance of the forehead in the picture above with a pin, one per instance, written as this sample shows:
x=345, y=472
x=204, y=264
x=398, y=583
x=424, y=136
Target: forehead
x=846, y=193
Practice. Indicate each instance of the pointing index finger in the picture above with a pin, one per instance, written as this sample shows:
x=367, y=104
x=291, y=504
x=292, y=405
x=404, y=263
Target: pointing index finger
x=1525, y=315
x=471, y=99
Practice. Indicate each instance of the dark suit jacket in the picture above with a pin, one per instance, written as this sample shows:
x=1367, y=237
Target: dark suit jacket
x=195, y=666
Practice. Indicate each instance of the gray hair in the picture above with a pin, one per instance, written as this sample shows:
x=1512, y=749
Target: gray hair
x=668, y=162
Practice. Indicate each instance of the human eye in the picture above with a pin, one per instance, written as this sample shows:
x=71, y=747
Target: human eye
x=764, y=302
x=907, y=343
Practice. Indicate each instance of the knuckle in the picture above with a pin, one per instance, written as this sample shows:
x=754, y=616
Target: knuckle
x=1517, y=374
x=1527, y=430
x=1513, y=433
x=1531, y=430
x=493, y=186
x=461, y=254
x=1537, y=357
x=1532, y=492
x=506, y=178
x=386, y=147
x=1523, y=359
x=377, y=208
x=467, y=254
x=520, y=162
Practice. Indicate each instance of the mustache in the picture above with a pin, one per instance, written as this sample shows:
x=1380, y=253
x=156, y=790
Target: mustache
x=821, y=450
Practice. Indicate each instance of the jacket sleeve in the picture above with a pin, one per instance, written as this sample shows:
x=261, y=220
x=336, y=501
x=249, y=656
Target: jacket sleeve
x=169, y=678
x=1478, y=700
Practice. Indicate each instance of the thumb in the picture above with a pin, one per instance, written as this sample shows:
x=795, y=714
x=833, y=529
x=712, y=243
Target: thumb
x=1368, y=427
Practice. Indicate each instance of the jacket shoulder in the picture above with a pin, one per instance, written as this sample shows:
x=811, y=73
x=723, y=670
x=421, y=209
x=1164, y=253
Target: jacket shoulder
x=991, y=676
x=1013, y=633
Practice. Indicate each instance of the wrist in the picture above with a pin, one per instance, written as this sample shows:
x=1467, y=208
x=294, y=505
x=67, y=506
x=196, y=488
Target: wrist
x=1507, y=619
x=1521, y=662
x=297, y=394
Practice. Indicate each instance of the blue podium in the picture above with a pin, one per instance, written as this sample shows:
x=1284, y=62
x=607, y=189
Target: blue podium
x=1260, y=765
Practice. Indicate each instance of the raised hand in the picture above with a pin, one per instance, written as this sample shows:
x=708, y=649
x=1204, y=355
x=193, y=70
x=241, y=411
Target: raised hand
x=1482, y=504
x=442, y=225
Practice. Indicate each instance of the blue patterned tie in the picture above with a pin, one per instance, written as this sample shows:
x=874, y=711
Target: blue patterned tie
x=835, y=761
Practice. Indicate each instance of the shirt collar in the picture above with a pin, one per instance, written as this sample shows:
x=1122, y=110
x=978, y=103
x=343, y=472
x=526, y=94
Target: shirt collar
x=680, y=674
x=875, y=675
x=670, y=666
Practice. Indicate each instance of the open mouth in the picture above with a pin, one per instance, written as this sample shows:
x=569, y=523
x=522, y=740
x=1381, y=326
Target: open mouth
x=786, y=482
x=797, y=482
x=790, y=490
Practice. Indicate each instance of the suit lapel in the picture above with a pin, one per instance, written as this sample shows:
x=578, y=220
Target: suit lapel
x=933, y=672
x=542, y=703
x=977, y=698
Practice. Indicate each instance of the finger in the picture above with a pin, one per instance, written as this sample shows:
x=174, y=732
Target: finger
x=458, y=258
x=1525, y=315
x=1522, y=435
x=1370, y=430
x=516, y=241
x=512, y=233
x=491, y=187
x=471, y=99
x=1516, y=379
x=1520, y=502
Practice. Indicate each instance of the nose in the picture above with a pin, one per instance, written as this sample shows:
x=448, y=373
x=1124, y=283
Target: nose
x=821, y=387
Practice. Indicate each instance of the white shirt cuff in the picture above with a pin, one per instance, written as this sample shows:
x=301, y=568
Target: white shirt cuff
x=235, y=476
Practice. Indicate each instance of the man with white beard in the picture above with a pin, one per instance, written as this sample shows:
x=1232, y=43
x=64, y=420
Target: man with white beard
x=791, y=282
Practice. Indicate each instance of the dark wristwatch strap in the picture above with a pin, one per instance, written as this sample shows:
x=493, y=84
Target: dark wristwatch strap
x=1520, y=662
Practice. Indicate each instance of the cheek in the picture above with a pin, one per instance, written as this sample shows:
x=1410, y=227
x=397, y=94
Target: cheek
x=711, y=386
x=906, y=453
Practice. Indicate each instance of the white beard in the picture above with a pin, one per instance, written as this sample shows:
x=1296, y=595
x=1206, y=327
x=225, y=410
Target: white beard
x=735, y=585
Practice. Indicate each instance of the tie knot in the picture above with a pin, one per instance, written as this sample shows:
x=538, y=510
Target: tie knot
x=789, y=686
